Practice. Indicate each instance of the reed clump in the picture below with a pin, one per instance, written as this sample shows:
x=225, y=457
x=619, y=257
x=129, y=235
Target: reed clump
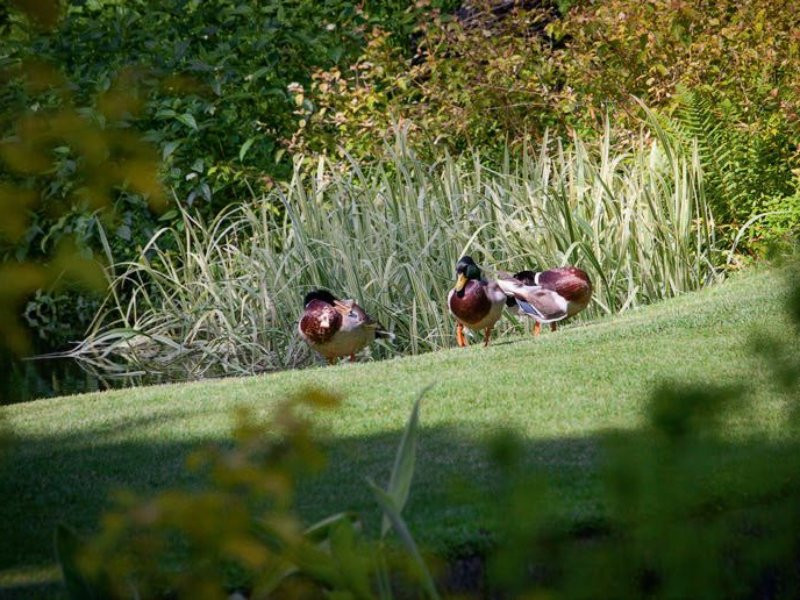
x=224, y=297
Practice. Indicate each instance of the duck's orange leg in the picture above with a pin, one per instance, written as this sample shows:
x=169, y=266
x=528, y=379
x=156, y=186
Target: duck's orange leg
x=537, y=328
x=460, y=339
x=352, y=358
x=487, y=335
x=553, y=326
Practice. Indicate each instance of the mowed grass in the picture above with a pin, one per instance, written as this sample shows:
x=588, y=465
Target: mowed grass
x=559, y=392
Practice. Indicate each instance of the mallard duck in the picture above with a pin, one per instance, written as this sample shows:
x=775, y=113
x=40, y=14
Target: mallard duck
x=336, y=328
x=474, y=302
x=548, y=296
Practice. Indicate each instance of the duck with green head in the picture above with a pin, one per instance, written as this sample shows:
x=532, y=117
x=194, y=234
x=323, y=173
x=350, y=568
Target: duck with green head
x=475, y=302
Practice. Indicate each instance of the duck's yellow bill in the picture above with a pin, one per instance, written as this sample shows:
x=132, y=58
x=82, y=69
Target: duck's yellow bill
x=461, y=282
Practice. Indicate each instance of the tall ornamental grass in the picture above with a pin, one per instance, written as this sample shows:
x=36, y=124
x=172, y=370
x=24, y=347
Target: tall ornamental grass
x=224, y=297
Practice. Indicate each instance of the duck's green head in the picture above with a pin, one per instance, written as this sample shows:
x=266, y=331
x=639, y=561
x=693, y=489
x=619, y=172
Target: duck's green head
x=466, y=269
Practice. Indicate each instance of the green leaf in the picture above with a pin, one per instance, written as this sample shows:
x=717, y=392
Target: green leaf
x=188, y=120
x=321, y=529
x=67, y=548
x=354, y=561
x=258, y=73
x=124, y=232
x=276, y=92
x=245, y=147
x=336, y=53
x=272, y=579
x=168, y=149
x=404, y=461
x=390, y=510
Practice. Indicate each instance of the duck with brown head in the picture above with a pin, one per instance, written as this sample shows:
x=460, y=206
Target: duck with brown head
x=474, y=302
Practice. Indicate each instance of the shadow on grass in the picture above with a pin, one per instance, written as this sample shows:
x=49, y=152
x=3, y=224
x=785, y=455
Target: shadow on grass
x=459, y=497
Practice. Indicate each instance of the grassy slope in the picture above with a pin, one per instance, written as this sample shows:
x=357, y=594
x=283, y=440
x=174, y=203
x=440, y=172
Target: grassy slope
x=559, y=392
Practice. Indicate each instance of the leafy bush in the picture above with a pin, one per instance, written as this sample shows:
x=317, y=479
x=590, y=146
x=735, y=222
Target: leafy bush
x=228, y=300
x=746, y=169
x=212, y=77
x=780, y=229
x=224, y=92
x=227, y=90
x=740, y=53
x=61, y=168
x=491, y=81
x=476, y=86
x=213, y=87
x=216, y=86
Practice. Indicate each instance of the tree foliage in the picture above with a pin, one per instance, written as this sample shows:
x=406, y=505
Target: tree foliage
x=112, y=99
x=728, y=73
x=61, y=166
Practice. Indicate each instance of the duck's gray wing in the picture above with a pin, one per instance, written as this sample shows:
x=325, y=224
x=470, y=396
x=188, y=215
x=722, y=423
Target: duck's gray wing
x=544, y=305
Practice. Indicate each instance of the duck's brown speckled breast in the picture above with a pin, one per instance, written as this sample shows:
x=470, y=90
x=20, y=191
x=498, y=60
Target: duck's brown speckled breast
x=471, y=305
x=320, y=322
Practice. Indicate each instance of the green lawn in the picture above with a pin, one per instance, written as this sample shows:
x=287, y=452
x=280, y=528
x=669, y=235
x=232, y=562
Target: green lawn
x=559, y=392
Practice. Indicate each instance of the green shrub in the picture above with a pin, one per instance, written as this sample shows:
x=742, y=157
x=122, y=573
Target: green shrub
x=726, y=71
x=224, y=92
x=215, y=86
x=746, y=167
x=61, y=168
